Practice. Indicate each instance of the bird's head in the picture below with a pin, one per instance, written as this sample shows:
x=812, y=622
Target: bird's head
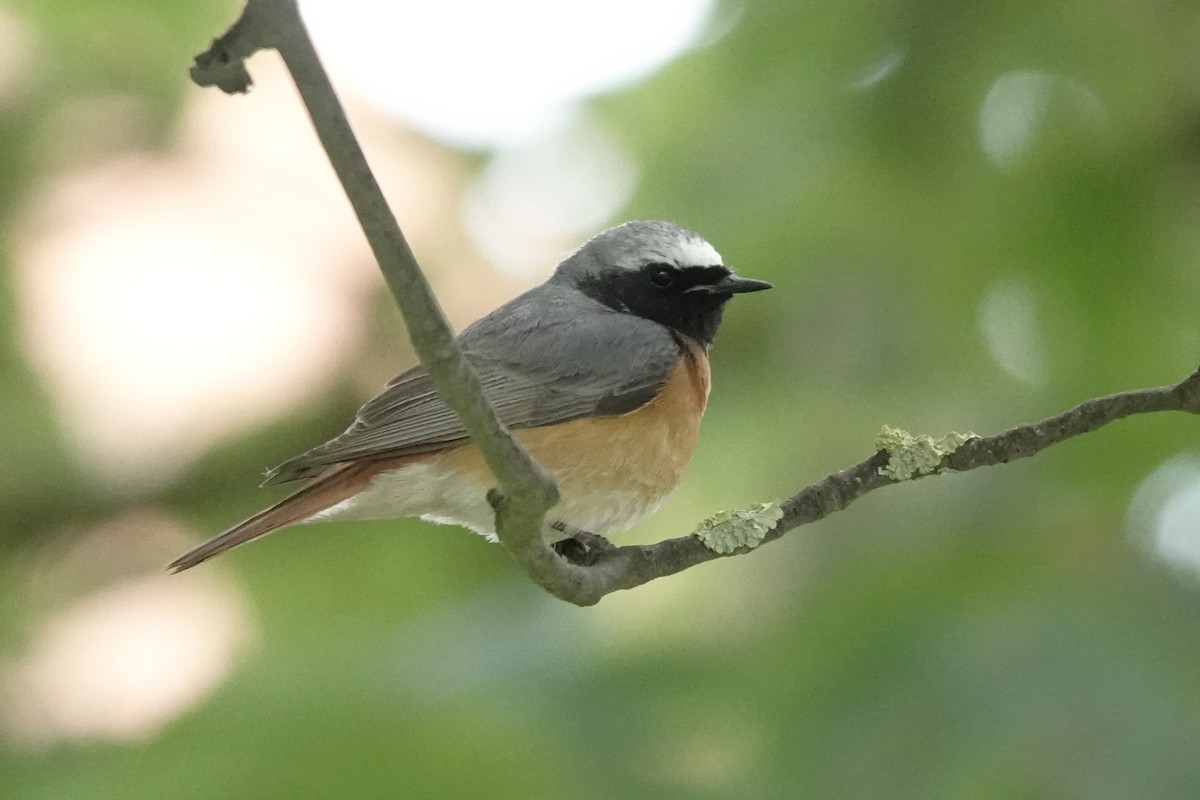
x=659, y=271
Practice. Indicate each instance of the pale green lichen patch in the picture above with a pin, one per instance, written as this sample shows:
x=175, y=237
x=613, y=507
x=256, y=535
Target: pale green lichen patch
x=913, y=456
x=744, y=528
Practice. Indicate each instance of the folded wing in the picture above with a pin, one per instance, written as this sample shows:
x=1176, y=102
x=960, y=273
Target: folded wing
x=546, y=357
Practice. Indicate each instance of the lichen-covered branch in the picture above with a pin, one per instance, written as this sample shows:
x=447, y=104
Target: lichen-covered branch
x=627, y=567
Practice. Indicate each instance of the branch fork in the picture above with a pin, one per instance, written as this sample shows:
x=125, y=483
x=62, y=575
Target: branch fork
x=526, y=492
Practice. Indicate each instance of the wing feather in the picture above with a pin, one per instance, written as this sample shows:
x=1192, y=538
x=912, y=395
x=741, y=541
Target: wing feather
x=549, y=356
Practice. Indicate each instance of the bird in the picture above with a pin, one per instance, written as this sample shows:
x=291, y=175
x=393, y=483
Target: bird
x=601, y=373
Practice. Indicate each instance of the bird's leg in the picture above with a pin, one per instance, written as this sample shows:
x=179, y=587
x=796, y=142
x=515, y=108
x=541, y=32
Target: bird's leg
x=579, y=547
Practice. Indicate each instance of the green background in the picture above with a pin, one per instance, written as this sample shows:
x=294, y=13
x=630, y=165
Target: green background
x=1001, y=634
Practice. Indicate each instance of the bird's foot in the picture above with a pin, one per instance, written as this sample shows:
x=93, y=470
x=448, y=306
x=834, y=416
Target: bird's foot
x=580, y=547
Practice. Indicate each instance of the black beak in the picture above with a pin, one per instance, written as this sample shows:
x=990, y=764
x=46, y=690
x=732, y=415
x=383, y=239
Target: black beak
x=735, y=284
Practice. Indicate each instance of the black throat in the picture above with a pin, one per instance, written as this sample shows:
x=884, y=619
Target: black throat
x=686, y=307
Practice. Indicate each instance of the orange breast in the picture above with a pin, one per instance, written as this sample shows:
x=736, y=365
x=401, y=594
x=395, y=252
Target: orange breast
x=613, y=470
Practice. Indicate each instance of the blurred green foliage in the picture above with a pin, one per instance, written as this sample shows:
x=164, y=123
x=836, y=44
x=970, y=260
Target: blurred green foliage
x=993, y=635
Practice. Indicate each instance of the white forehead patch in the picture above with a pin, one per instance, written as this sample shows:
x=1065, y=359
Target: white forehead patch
x=694, y=252
x=635, y=244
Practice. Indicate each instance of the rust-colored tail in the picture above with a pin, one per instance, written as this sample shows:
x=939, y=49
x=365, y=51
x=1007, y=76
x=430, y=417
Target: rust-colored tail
x=332, y=488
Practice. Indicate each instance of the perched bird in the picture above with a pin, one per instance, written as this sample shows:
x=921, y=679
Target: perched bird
x=601, y=373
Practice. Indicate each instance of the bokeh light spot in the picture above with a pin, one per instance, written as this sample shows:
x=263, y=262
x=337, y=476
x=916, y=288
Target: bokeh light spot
x=1008, y=319
x=514, y=69
x=1019, y=105
x=531, y=203
x=1165, y=512
x=122, y=662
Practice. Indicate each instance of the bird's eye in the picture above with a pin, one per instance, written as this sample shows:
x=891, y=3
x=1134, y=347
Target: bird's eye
x=661, y=275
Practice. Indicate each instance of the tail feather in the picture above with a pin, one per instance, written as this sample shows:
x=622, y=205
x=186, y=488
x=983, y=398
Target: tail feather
x=328, y=490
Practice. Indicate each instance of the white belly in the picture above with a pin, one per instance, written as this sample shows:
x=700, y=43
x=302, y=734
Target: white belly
x=437, y=492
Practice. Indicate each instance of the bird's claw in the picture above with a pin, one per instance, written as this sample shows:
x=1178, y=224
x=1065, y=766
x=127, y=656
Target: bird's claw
x=580, y=547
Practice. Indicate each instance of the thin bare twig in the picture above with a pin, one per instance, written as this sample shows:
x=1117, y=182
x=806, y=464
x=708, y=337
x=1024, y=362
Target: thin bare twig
x=527, y=491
